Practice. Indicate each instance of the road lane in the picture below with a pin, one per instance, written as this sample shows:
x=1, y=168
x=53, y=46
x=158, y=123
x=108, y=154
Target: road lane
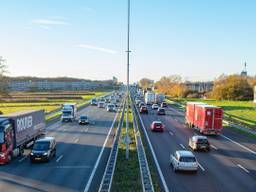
x=220, y=173
x=77, y=151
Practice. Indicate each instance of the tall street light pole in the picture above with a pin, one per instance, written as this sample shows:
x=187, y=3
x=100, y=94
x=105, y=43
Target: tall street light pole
x=128, y=64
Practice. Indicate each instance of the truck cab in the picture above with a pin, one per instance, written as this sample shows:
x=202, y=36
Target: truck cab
x=6, y=140
x=68, y=112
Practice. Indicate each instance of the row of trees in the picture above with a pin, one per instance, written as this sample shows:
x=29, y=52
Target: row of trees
x=226, y=87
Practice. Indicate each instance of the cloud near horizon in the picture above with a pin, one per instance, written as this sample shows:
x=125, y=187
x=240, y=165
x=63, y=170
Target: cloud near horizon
x=92, y=47
x=49, y=22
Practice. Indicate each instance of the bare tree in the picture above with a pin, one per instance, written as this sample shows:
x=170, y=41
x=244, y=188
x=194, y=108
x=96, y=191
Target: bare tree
x=3, y=78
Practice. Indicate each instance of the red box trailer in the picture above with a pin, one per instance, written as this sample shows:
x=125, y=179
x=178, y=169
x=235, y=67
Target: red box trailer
x=205, y=118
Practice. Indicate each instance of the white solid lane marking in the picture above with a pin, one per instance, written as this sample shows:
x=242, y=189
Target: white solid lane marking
x=22, y=159
x=171, y=133
x=99, y=157
x=74, y=167
x=243, y=168
x=246, y=148
x=201, y=167
x=76, y=140
x=214, y=147
x=182, y=146
x=59, y=158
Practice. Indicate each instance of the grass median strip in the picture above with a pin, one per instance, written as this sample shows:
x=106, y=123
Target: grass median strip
x=151, y=164
x=127, y=172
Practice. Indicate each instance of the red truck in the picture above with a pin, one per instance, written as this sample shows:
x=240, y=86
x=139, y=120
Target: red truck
x=205, y=118
x=17, y=130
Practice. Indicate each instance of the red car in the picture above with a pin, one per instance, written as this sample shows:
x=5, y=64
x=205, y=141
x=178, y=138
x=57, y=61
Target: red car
x=144, y=109
x=157, y=126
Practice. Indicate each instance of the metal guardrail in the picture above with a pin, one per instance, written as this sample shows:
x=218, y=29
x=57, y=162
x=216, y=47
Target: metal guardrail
x=144, y=168
x=106, y=181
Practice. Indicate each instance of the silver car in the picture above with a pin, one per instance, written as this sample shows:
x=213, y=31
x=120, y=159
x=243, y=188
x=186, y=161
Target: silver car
x=184, y=160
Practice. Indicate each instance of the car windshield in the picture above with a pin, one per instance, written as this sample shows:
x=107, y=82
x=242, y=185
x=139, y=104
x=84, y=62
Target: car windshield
x=162, y=110
x=66, y=113
x=202, y=141
x=83, y=117
x=41, y=146
x=187, y=159
x=158, y=124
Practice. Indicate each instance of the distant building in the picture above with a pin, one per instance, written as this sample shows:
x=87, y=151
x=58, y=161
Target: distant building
x=200, y=87
x=244, y=72
x=45, y=85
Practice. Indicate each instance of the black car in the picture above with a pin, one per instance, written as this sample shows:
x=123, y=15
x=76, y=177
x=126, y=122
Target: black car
x=43, y=149
x=164, y=104
x=141, y=104
x=161, y=111
x=83, y=120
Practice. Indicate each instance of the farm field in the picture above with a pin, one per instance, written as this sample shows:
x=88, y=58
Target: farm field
x=49, y=102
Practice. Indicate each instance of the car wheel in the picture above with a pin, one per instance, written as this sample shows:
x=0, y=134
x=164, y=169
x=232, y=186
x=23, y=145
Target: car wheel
x=175, y=169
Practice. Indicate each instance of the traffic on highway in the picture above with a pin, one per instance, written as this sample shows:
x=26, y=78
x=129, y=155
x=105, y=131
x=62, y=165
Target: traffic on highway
x=191, y=157
x=127, y=96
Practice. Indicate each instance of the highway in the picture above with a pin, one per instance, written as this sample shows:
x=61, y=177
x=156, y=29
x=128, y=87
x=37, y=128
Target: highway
x=229, y=166
x=79, y=163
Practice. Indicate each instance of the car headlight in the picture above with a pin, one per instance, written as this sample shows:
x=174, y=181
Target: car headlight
x=2, y=155
x=31, y=153
x=45, y=153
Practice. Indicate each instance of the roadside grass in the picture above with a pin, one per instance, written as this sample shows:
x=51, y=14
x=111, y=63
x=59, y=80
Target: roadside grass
x=241, y=111
x=49, y=106
x=151, y=164
x=127, y=172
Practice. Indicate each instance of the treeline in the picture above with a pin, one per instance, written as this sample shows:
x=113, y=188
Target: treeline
x=233, y=87
x=226, y=87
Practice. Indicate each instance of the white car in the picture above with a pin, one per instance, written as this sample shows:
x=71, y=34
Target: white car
x=184, y=160
x=111, y=108
x=101, y=104
x=155, y=106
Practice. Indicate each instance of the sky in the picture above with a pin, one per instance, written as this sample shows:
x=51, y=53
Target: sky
x=197, y=39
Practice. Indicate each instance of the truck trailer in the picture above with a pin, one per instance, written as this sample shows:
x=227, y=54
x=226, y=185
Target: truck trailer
x=18, y=130
x=159, y=98
x=207, y=119
x=150, y=98
x=68, y=112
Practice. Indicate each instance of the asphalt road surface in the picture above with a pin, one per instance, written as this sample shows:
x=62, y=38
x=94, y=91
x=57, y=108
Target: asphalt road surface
x=74, y=167
x=229, y=166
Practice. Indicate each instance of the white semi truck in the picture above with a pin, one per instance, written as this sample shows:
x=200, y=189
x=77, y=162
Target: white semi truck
x=149, y=98
x=68, y=112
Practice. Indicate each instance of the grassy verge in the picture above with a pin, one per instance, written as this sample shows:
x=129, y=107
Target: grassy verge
x=151, y=164
x=127, y=172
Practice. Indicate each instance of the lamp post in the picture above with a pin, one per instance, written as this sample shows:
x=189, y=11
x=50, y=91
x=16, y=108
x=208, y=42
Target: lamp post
x=127, y=138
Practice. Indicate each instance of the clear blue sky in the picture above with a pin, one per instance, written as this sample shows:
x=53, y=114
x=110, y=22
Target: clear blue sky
x=198, y=39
